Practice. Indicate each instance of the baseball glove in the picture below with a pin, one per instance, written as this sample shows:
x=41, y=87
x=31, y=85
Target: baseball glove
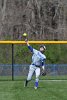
x=43, y=73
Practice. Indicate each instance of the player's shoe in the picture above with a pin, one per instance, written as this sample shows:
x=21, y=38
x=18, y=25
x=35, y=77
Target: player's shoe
x=36, y=85
x=35, y=88
x=25, y=83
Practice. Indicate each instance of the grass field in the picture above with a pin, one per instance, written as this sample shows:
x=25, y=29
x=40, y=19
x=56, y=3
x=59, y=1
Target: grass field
x=48, y=90
x=55, y=77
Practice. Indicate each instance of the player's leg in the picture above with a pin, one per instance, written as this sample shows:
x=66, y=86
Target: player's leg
x=37, y=71
x=31, y=71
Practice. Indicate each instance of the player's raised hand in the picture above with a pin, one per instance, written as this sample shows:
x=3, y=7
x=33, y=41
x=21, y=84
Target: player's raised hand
x=26, y=40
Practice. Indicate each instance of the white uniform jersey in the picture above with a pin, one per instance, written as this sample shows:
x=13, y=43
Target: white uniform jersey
x=37, y=57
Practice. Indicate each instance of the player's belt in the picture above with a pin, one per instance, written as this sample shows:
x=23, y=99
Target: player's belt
x=36, y=65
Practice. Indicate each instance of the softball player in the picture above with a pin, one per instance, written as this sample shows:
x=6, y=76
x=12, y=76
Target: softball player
x=38, y=59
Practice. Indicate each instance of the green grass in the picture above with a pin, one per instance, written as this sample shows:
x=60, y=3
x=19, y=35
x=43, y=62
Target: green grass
x=48, y=90
x=4, y=78
x=47, y=77
x=61, y=77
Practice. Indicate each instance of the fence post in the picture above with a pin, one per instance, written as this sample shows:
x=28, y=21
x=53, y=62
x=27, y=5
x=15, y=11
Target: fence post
x=12, y=62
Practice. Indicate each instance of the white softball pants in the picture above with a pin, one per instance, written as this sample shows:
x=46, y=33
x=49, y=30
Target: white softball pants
x=33, y=69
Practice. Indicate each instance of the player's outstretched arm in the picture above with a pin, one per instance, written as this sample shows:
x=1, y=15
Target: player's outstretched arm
x=43, y=64
x=31, y=49
x=43, y=68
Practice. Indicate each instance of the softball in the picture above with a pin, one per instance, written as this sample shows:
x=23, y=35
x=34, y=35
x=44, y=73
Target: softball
x=24, y=34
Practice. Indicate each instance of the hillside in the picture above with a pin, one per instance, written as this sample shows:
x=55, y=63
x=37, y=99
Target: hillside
x=41, y=19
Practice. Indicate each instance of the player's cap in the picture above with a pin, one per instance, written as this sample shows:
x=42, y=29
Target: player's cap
x=43, y=46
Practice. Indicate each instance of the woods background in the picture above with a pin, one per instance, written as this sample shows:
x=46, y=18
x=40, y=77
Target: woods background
x=41, y=19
